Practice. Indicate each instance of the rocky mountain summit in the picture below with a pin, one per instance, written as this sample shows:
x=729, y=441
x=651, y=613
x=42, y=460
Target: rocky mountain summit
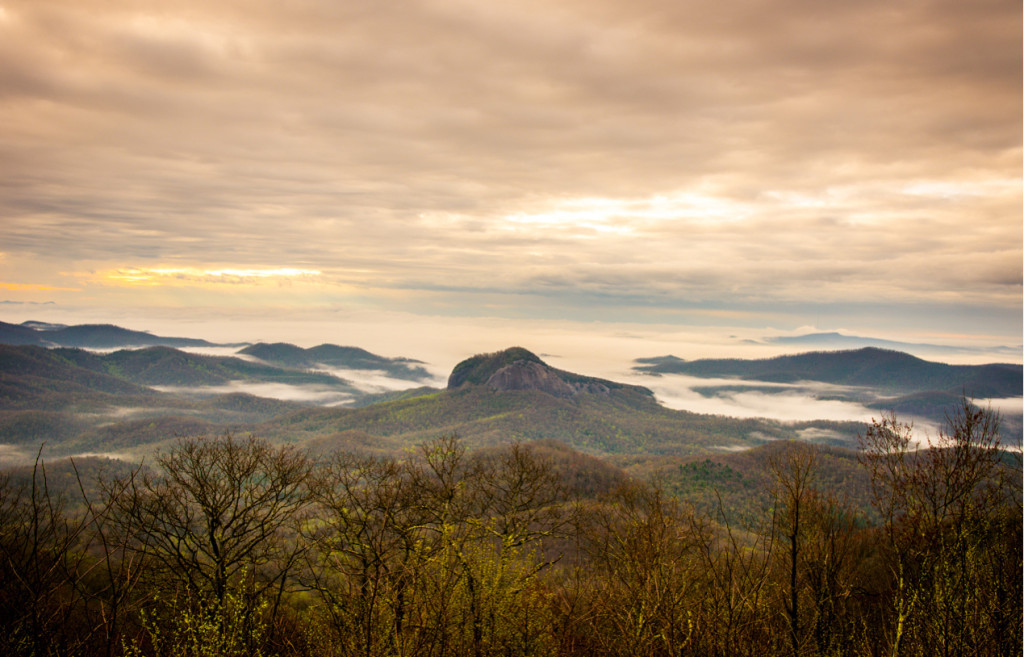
x=519, y=369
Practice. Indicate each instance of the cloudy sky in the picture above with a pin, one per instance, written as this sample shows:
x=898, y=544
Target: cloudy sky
x=778, y=166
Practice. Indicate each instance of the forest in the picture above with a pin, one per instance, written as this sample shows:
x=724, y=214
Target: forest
x=232, y=545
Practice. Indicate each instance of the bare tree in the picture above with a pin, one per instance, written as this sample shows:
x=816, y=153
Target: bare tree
x=220, y=518
x=37, y=555
x=793, y=472
x=642, y=573
x=941, y=501
x=365, y=551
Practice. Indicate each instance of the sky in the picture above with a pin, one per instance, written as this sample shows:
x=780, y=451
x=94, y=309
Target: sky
x=459, y=175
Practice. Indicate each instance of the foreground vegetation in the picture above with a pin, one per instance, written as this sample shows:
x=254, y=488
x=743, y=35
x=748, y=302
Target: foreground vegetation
x=232, y=546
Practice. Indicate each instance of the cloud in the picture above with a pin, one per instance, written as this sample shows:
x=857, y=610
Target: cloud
x=31, y=286
x=192, y=275
x=8, y=302
x=312, y=394
x=651, y=152
x=799, y=402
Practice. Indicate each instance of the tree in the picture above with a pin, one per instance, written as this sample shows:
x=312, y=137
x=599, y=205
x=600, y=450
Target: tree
x=945, y=508
x=38, y=562
x=815, y=547
x=365, y=551
x=642, y=569
x=793, y=473
x=220, y=519
x=436, y=554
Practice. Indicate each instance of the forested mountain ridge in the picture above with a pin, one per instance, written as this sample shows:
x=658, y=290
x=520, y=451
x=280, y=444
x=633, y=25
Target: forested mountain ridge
x=884, y=369
x=331, y=355
x=878, y=379
x=80, y=400
x=134, y=370
x=88, y=336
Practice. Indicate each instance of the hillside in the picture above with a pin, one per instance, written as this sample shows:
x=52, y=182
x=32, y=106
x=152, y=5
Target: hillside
x=76, y=400
x=164, y=366
x=739, y=484
x=134, y=371
x=334, y=356
x=38, y=378
x=514, y=396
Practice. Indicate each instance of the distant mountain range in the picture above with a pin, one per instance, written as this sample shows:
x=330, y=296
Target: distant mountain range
x=283, y=355
x=73, y=399
x=836, y=340
x=886, y=370
x=81, y=401
x=137, y=399
x=89, y=336
x=333, y=356
x=876, y=378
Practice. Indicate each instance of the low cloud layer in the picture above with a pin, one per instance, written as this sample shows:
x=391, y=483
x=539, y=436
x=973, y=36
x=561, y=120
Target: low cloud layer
x=310, y=394
x=778, y=401
x=570, y=160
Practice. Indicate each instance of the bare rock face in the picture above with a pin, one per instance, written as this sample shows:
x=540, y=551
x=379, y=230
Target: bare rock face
x=518, y=369
x=480, y=368
x=528, y=375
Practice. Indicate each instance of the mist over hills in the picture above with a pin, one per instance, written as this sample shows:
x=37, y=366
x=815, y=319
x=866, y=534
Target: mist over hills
x=833, y=340
x=887, y=370
x=330, y=355
x=879, y=379
x=76, y=400
x=134, y=400
x=513, y=395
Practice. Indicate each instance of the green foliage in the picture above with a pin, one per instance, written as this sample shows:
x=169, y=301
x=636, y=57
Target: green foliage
x=187, y=626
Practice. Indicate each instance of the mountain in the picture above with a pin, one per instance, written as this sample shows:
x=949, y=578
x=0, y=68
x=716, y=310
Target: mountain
x=33, y=377
x=19, y=334
x=878, y=379
x=518, y=369
x=513, y=395
x=83, y=401
x=836, y=340
x=883, y=369
x=333, y=356
x=165, y=366
x=88, y=336
x=74, y=399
